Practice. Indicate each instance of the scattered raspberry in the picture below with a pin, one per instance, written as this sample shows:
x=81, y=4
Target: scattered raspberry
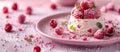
x=8, y=27
x=73, y=36
x=84, y=5
x=5, y=10
x=78, y=25
x=14, y=6
x=21, y=19
x=92, y=13
x=20, y=29
x=110, y=6
x=99, y=34
x=53, y=6
x=29, y=10
x=59, y=30
x=106, y=26
x=53, y=23
x=37, y=49
x=110, y=30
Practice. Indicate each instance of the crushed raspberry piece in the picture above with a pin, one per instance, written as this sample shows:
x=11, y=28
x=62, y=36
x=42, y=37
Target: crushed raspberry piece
x=21, y=19
x=78, y=25
x=14, y=6
x=89, y=30
x=59, y=30
x=53, y=23
x=8, y=27
x=53, y=6
x=7, y=16
x=37, y=49
x=29, y=10
x=20, y=29
x=5, y=10
x=84, y=38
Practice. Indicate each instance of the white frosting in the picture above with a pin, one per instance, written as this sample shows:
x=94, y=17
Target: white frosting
x=85, y=25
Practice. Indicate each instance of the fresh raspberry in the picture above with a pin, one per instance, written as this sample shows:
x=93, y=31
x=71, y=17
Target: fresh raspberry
x=21, y=19
x=77, y=14
x=29, y=10
x=8, y=27
x=84, y=5
x=5, y=10
x=14, y=6
x=53, y=6
x=99, y=34
x=110, y=6
x=37, y=49
x=59, y=30
x=91, y=13
x=53, y=23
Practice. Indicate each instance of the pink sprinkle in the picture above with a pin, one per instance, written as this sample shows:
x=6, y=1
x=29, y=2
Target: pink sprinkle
x=73, y=37
x=78, y=25
x=20, y=29
x=89, y=30
x=84, y=38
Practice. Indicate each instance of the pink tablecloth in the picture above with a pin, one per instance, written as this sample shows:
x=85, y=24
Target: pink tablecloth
x=14, y=41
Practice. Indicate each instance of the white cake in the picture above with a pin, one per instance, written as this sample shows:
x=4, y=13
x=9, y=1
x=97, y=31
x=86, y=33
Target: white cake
x=84, y=26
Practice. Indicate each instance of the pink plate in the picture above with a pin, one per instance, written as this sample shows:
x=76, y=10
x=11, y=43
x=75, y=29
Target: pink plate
x=43, y=28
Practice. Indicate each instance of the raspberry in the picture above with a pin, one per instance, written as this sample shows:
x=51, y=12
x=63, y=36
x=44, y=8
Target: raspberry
x=53, y=23
x=77, y=14
x=110, y=6
x=8, y=27
x=91, y=13
x=14, y=6
x=110, y=30
x=29, y=10
x=21, y=19
x=59, y=30
x=53, y=6
x=5, y=10
x=84, y=5
x=37, y=49
x=99, y=34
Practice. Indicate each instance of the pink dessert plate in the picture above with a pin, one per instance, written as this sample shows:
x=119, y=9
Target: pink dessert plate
x=45, y=30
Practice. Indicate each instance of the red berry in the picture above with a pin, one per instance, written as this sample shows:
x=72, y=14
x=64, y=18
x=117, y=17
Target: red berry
x=99, y=34
x=110, y=6
x=106, y=26
x=29, y=10
x=91, y=13
x=14, y=6
x=89, y=30
x=110, y=30
x=59, y=30
x=5, y=10
x=77, y=14
x=84, y=5
x=8, y=27
x=21, y=19
x=53, y=6
x=53, y=23
x=37, y=49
